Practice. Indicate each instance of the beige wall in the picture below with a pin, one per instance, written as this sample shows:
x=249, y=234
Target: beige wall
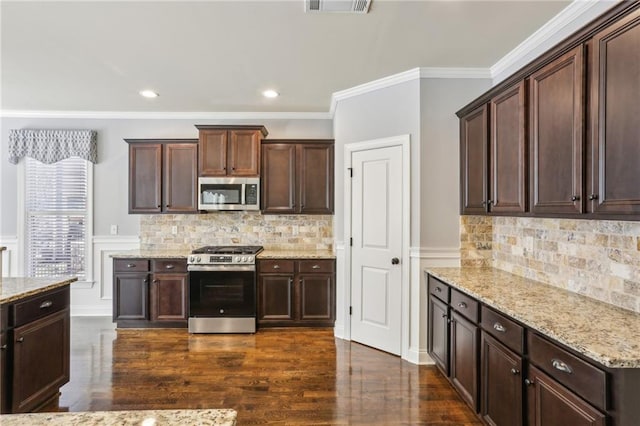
x=597, y=258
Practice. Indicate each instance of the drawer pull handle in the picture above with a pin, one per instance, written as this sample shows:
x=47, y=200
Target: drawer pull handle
x=462, y=305
x=276, y=266
x=46, y=304
x=170, y=266
x=131, y=265
x=499, y=327
x=559, y=365
x=515, y=371
x=438, y=290
x=315, y=267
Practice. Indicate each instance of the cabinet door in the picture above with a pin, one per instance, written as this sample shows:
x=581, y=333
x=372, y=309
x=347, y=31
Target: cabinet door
x=278, y=178
x=315, y=178
x=180, y=178
x=130, y=296
x=508, y=151
x=168, y=295
x=474, y=148
x=4, y=382
x=615, y=146
x=556, y=119
x=275, y=298
x=212, y=158
x=501, y=384
x=244, y=153
x=438, y=334
x=145, y=178
x=464, y=358
x=551, y=404
x=316, y=297
x=40, y=360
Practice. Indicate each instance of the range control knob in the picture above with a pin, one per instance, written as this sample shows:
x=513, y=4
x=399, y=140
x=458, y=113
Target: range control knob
x=191, y=258
x=244, y=258
x=198, y=259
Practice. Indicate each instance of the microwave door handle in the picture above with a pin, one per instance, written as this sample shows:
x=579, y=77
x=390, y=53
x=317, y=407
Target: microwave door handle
x=243, y=189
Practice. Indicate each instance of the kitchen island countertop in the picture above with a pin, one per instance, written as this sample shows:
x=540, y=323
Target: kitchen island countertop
x=151, y=254
x=12, y=289
x=602, y=332
x=125, y=418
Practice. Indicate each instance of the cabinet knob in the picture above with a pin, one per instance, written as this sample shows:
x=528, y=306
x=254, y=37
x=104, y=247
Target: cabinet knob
x=3, y=347
x=515, y=371
x=462, y=305
x=489, y=202
x=159, y=206
x=575, y=198
x=593, y=197
x=444, y=315
x=155, y=281
x=484, y=203
x=315, y=267
x=276, y=266
x=20, y=340
x=438, y=290
x=529, y=382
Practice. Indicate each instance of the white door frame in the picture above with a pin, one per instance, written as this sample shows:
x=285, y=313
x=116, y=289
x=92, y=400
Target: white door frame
x=405, y=142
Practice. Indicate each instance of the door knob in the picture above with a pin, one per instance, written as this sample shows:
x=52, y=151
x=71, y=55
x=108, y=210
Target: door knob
x=395, y=261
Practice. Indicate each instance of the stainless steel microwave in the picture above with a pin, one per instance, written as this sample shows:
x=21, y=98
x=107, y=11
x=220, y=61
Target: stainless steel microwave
x=228, y=193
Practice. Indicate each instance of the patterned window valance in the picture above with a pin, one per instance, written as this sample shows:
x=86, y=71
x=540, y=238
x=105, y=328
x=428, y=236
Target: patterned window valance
x=50, y=146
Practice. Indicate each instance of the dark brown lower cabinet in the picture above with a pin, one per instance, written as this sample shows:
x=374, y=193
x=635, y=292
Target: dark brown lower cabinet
x=438, y=336
x=501, y=393
x=464, y=358
x=40, y=361
x=130, y=296
x=169, y=294
x=4, y=366
x=551, y=404
x=296, y=292
x=275, y=293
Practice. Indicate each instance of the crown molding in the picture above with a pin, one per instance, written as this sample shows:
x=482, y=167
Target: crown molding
x=579, y=9
x=150, y=115
x=412, y=74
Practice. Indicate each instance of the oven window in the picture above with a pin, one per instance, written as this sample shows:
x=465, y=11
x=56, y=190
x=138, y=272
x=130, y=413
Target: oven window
x=222, y=293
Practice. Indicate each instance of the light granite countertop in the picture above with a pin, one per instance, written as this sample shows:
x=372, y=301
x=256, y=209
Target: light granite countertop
x=604, y=333
x=151, y=254
x=12, y=289
x=125, y=418
x=296, y=254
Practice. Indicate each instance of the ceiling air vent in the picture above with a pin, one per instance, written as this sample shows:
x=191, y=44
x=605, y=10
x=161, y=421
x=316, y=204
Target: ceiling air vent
x=337, y=6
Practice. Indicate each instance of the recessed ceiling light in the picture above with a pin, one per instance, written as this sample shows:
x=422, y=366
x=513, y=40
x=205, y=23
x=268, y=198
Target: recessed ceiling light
x=149, y=94
x=270, y=94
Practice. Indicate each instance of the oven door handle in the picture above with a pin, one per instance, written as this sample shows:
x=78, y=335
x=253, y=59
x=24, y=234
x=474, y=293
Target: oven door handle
x=221, y=268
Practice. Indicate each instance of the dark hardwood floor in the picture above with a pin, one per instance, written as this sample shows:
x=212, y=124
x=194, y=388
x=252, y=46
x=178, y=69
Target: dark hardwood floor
x=278, y=376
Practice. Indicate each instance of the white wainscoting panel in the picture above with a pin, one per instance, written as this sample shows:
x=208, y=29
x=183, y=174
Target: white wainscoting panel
x=343, y=297
x=9, y=258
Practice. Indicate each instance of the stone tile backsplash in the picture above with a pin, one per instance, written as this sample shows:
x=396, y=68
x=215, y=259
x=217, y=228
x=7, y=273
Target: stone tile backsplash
x=596, y=258
x=274, y=232
x=476, y=237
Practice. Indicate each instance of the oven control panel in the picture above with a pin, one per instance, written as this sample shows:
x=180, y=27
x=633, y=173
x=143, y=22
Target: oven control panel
x=220, y=259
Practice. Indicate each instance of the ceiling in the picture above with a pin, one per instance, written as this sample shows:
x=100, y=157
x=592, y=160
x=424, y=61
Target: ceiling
x=218, y=56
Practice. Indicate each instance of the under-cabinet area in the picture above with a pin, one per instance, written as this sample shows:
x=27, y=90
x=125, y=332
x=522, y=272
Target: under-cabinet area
x=523, y=353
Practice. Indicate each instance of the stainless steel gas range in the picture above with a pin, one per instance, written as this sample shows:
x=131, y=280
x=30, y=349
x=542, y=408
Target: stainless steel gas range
x=222, y=289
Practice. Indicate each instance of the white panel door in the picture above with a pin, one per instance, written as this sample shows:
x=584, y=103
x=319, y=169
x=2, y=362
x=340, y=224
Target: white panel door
x=376, y=215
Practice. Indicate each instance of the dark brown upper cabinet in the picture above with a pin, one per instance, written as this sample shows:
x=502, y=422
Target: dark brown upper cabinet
x=297, y=176
x=162, y=175
x=230, y=150
x=474, y=147
x=507, y=153
x=615, y=118
x=556, y=111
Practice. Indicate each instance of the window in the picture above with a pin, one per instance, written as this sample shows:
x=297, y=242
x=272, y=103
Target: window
x=56, y=217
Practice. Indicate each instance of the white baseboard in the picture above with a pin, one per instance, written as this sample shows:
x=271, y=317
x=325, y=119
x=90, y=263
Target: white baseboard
x=420, y=357
x=338, y=331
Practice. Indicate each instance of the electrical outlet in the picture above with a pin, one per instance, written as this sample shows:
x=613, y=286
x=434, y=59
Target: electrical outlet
x=114, y=229
x=174, y=229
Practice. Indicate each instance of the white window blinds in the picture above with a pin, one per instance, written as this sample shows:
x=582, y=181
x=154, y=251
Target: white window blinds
x=56, y=217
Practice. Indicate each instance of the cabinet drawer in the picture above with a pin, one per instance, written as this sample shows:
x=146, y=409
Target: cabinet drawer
x=169, y=265
x=504, y=329
x=40, y=306
x=316, y=266
x=276, y=266
x=130, y=265
x=439, y=289
x=585, y=379
x=464, y=304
